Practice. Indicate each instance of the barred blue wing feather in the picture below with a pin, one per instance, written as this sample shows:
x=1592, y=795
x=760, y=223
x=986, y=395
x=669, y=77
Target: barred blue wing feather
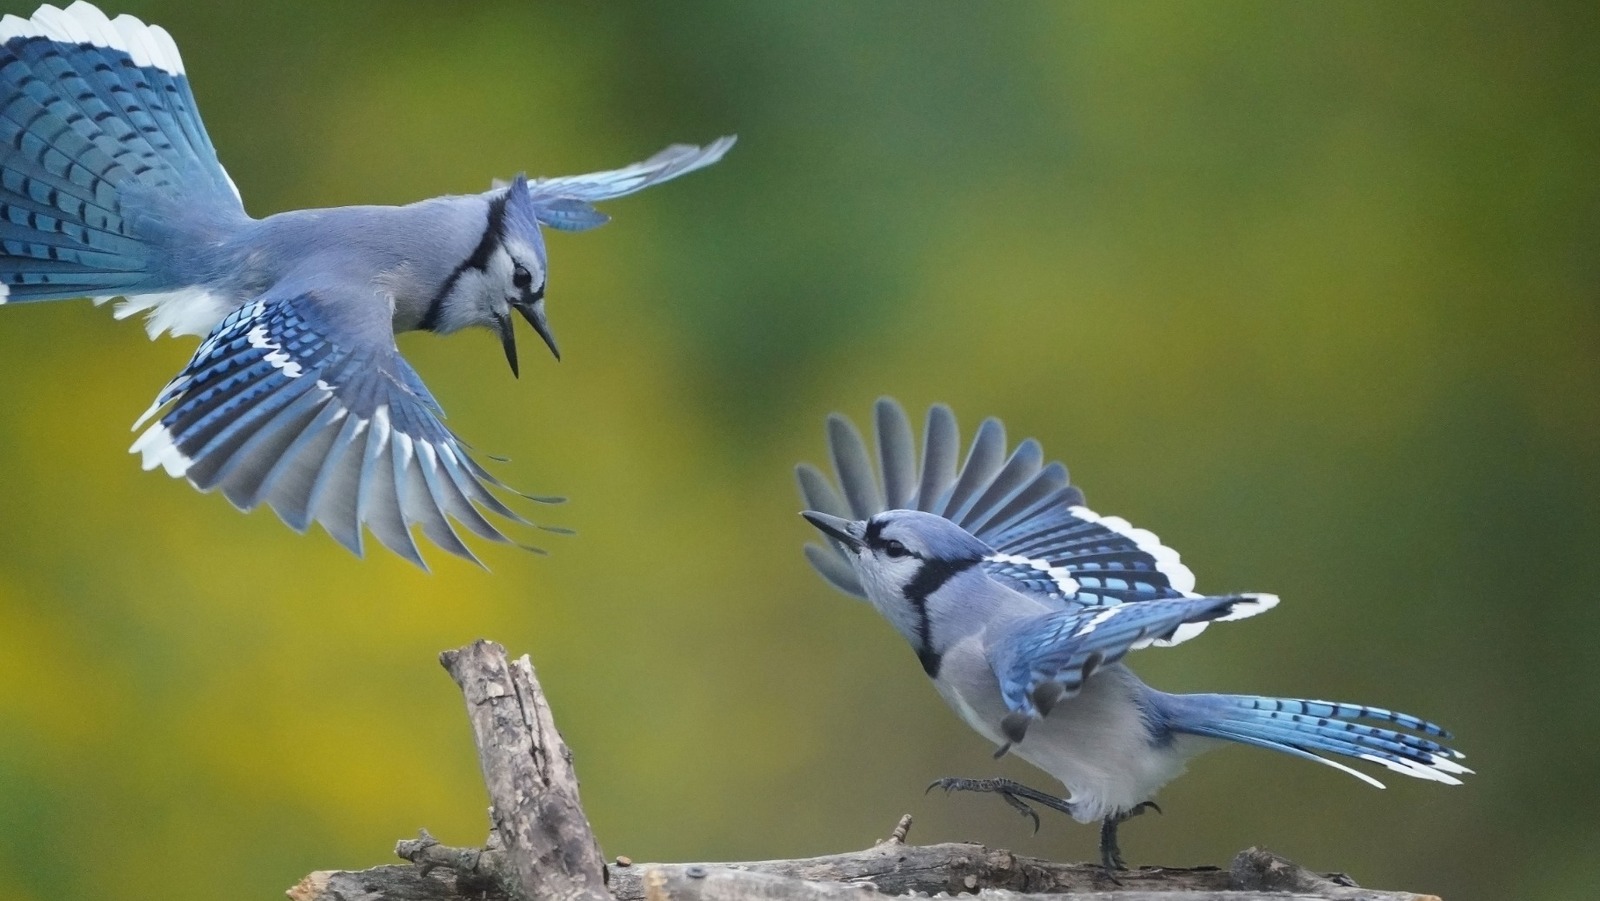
x=101, y=127
x=1046, y=541
x=295, y=403
x=1047, y=657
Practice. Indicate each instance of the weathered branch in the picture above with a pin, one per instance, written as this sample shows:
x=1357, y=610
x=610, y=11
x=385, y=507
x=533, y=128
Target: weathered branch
x=549, y=850
x=542, y=847
x=890, y=868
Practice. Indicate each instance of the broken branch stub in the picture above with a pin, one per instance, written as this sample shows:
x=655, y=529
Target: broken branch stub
x=549, y=850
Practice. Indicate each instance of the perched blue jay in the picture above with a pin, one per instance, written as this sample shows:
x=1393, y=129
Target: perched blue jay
x=297, y=397
x=1021, y=602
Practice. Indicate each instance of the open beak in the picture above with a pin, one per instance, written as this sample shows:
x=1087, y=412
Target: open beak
x=531, y=306
x=848, y=533
x=508, y=340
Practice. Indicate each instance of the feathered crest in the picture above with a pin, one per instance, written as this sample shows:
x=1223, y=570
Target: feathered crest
x=522, y=216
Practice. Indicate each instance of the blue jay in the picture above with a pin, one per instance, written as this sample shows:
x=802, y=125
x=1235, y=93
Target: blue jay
x=1020, y=602
x=297, y=396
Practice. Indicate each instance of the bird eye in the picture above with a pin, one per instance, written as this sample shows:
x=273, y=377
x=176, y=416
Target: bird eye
x=894, y=548
x=521, y=277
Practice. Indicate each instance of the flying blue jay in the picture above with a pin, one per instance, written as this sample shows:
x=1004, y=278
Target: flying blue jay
x=297, y=396
x=1020, y=602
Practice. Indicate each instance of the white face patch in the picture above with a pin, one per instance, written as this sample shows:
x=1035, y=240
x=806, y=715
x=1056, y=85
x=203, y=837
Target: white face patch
x=482, y=297
x=521, y=253
x=81, y=23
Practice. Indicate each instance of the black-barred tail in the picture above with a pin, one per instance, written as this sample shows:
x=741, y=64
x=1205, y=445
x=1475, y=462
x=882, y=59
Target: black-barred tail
x=102, y=147
x=1304, y=728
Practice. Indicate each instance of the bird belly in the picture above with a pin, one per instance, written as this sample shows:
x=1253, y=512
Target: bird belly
x=1101, y=751
x=1095, y=743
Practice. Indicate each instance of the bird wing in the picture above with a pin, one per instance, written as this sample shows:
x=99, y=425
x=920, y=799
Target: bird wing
x=1044, y=658
x=1046, y=541
x=564, y=203
x=301, y=400
x=100, y=131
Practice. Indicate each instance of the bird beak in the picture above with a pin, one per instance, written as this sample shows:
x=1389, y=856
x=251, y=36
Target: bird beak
x=508, y=340
x=848, y=533
x=531, y=306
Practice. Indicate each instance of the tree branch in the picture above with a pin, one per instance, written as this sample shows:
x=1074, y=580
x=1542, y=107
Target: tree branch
x=549, y=850
x=542, y=846
x=892, y=869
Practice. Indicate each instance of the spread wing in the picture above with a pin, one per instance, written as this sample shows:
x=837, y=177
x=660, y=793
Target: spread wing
x=301, y=400
x=565, y=203
x=1046, y=541
x=1046, y=658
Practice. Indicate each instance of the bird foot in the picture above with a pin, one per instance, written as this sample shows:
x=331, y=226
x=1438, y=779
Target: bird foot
x=1110, y=853
x=1011, y=792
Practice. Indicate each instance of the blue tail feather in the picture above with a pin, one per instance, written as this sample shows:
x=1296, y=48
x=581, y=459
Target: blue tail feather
x=1302, y=728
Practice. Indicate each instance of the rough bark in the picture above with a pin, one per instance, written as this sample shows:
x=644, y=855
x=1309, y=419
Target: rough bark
x=542, y=847
x=893, y=869
x=545, y=842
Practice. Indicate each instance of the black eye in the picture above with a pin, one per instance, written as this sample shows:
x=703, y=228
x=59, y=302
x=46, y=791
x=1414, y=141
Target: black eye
x=894, y=548
x=521, y=277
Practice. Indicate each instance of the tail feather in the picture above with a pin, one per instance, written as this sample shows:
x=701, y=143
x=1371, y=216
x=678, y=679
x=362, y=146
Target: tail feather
x=100, y=132
x=1302, y=728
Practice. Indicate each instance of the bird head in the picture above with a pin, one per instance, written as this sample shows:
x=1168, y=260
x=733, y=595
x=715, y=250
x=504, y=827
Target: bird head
x=902, y=557
x=522, y=246
x=504, y=272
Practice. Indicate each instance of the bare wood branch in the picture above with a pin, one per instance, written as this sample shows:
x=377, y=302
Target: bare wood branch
x=549, y=849
x=543, y=848
x=893, y=869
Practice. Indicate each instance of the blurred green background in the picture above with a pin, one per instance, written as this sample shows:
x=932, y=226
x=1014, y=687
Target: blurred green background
x=1310, y=290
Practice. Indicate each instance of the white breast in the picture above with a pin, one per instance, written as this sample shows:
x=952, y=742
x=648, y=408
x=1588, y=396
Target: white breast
x=1095, y=743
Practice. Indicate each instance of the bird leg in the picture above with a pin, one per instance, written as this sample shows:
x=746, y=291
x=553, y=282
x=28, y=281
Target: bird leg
x=1011, y=792
x=1110, y=854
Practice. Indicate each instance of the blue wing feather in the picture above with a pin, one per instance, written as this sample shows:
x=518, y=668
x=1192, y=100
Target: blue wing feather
x=667, y=164
x=1064, y=647
x=320, y=418
x=101, y=130
x=1046, y=542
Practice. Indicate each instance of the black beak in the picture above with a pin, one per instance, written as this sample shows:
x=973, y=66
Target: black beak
x=508, y=340
x=848, y=533
x=531, y=306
